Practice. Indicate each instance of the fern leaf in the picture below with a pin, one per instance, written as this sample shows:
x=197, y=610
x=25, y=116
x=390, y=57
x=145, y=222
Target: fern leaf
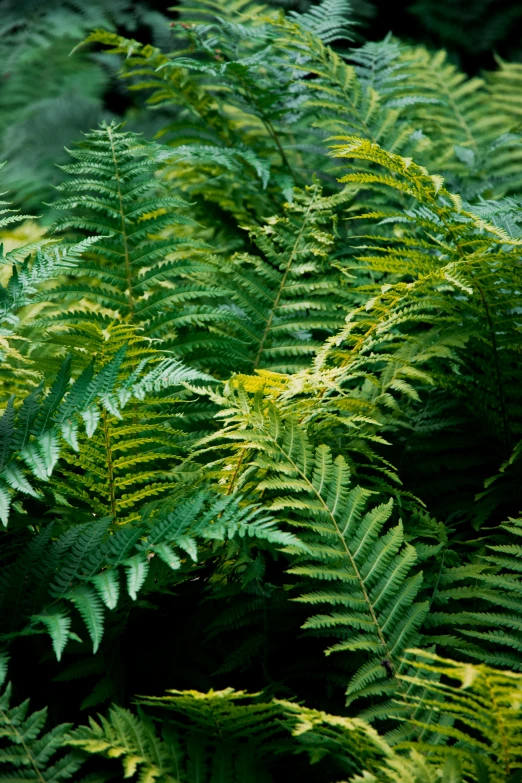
x=372, y=604
x=108, y=586
x=27, y=752
x=137, y=569
x=91, y=609
x=58, y=626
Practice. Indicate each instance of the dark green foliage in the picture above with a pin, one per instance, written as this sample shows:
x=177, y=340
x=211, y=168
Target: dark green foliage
x=261, y=413
x=486, y=23
x=27, y=752
x=82, y=567
x=273, y=307
x=48, y=97
x=111, y=197
x=480, y=602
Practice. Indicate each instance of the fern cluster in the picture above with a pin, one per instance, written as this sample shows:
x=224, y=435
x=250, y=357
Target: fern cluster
x=261, y=418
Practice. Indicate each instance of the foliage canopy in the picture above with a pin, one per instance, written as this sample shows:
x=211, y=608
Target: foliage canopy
x=261, y=411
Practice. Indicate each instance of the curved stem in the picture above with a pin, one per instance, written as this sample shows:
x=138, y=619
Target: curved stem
x=22, y=742
x=128, y=270
x=283, y=280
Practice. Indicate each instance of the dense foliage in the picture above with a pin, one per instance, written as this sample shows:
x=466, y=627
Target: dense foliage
x=260, y=380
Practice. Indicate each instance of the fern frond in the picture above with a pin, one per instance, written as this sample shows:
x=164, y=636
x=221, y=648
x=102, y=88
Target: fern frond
x=482, y=605
x=112, y=197
x=29, y=753
x=273, y=308
x=482, y=708
x=329, y=21
x=84, y=566
x=370, y=599
x=435, y=301
x=225, y=735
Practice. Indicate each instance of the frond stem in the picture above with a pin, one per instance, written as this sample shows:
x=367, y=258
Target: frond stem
x=128, y=271
x=283, y=281
x=382, y=640
x=110, y=466
x=28, y=753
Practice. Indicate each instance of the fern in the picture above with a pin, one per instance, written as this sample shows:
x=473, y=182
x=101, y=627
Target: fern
x=226, y=735
x=130, y=449
x=82, y=568
x=484, y=723
x=470, y=144
x=481, y=605
x=329, y=20
x=207, y=132
x=32, y=433
x=113, y=175
x=371, y=604
x=29, y=753
x=441, y=259
x=503, y=86
x=47, y=97
x=260, y=397
x=273, y=308
x=414, y=769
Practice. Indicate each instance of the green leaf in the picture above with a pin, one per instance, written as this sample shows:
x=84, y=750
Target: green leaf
x=16, y=479
x=70, y=433
x=137, y=568
x=91, y=418
x=108, y=586
x=90, y=607
x=167, y=554
x=50, y=448
x=35, y=461
x=5, y=504
x=58, y=625
x=189, y=545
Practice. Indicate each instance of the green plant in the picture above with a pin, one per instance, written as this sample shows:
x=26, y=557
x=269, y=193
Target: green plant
x=261, y=412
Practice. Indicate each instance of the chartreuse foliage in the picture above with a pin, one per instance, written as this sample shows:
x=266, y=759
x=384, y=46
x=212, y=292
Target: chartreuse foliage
x=261, y=415
x=483, y=708
x=219, y=735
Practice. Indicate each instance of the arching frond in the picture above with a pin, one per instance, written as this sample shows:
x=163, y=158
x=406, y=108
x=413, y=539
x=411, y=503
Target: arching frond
x=272, y=308
x=481, y=706
x=111, y=196
x=227, y=735
x=27, y=751
x=84, y=567
x=369, y=603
